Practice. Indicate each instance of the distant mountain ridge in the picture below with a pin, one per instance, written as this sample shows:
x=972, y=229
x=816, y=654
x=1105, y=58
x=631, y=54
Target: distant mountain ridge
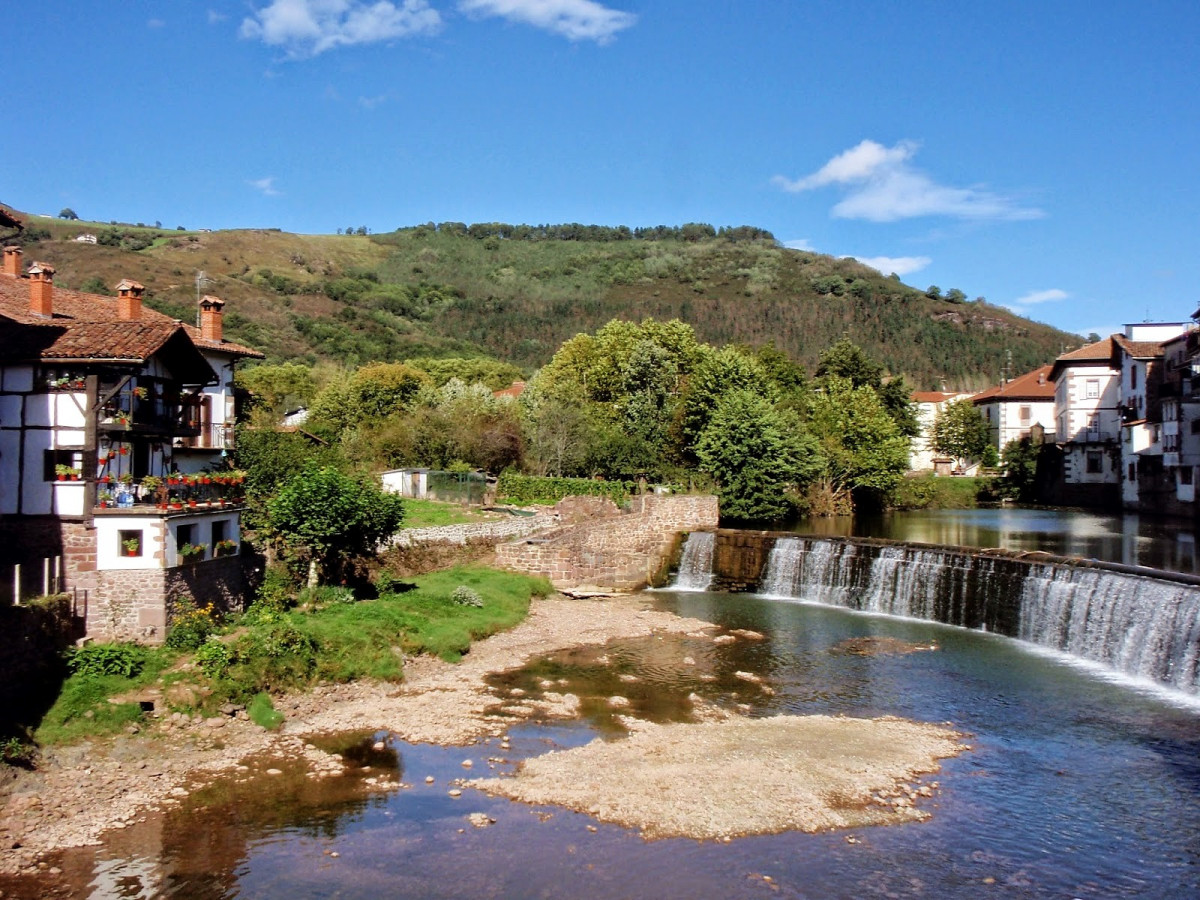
x=517, y=292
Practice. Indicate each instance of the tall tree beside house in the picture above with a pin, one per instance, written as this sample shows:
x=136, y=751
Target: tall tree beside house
x=961, y=432
x=756, y=454
x=325, y=518
x=866, y=454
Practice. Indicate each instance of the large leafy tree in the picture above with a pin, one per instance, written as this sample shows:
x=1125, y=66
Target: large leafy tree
x=325, y=518
x=756, y=454
x=961, y=432
x=721, y=372
x=865, y=451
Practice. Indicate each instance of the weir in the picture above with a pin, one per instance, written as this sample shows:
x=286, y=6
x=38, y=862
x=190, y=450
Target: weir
x=695, y=563
x=1142, y=623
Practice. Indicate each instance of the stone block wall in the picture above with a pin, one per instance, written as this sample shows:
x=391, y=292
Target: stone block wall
x=503, y=529
x=621, y=552
x=139, y=604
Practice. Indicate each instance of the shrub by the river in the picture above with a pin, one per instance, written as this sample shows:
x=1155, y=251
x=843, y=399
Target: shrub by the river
x=525, y=489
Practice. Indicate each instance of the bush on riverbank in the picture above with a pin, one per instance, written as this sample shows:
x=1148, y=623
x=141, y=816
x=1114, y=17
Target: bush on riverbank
x=274, y=648
x=942, y=492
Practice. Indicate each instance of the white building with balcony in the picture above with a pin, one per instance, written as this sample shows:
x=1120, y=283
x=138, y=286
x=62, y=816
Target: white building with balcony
x=114, y=423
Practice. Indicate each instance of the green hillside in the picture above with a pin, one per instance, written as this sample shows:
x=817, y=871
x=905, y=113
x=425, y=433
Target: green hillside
x=517, y=292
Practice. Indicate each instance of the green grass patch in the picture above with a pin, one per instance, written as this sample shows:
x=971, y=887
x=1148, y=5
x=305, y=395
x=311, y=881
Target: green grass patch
x=262, y=712
x=366, y=639
x=83, y=708
x=434, y=514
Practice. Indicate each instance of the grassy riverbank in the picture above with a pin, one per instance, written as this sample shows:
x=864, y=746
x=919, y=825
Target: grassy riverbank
x=329, y=635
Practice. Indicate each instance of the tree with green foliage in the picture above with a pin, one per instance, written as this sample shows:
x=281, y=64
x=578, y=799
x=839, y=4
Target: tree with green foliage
x=961, y=432
x=1019, y=464
x=68, y=213
x=278, y=389
x=480, y=370
x=865, y=452
x=720, y=372
x=325, y=518
x=370, y=395
x=756, y=454
x=845, y=359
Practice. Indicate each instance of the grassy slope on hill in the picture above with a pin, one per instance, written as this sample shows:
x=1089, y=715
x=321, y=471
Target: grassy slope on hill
x=518, y=300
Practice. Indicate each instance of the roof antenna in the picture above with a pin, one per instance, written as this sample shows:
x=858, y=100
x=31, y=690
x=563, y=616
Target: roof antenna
x=202, y=281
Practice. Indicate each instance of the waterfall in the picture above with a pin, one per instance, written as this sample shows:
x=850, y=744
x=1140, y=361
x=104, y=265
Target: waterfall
x=1138, y=625
x=695, y=565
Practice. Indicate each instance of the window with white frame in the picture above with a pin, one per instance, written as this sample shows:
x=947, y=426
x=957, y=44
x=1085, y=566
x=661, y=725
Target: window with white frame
x=1091, y=389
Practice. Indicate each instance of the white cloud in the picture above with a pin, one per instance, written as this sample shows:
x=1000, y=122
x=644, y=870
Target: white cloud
x=1035, y=297
x=215, y=17
x=372, y=102
x=156, y=23
x=266, y=186
x=882, y=186
x=576, y=20
x=309, y=27
x=896, y=265
x=887, y=265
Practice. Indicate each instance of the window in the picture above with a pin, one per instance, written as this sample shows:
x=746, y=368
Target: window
x=1095, y=462
x=1091, y=388
x=1093, y=428
x=131, y=543
x=1133, y=471
x=1170, y=443
x=52, y=458
x=1133, y=377
x=1026, y=414
x=184, y=534
x=1185, y=475
x=1195, y=426
x=220, y=531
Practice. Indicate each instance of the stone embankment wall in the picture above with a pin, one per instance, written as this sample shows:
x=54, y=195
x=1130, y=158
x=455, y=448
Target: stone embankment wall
x=500, y=530
x=139, y=604
x=608, y=549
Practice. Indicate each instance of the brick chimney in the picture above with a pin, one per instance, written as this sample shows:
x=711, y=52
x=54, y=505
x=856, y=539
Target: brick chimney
x=129, y=300
x=210, y=318
x=12, y=261
x=41, y=289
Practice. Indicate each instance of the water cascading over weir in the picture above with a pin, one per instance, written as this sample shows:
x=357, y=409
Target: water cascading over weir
x=1140, y=622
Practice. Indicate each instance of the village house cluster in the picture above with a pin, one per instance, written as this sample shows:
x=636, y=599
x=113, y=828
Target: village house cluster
x=115, y=426
x=1121, y=416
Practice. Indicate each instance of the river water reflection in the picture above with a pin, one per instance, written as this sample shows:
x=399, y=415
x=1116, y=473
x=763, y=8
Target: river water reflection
x=1075, y=786
x=1130, y=539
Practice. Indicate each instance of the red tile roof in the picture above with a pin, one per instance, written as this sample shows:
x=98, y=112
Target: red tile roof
x=1137, y=349
x=514, y=390
x=932, y=396
x=74, y=309
x=1035, y=386
x=1099, y=353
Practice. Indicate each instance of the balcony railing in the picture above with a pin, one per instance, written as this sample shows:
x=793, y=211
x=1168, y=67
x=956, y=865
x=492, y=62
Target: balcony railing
x=208, y=437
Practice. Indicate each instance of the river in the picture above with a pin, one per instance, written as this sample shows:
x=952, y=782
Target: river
x=1130, y=539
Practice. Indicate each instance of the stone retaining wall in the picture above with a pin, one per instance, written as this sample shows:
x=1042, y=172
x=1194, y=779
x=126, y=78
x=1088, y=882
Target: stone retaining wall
x=139, y=604
x=619, y=553
x=501, y=529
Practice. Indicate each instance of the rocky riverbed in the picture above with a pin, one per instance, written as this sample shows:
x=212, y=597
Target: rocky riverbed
x=81, y=792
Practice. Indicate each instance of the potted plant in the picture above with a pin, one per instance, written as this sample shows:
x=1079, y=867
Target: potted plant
x=151, y=484
x=225, y=548
x=141, y=393
x=132, y=545
x=126, y=479
x=64, y=472
x=190, y=553
x=104, y=498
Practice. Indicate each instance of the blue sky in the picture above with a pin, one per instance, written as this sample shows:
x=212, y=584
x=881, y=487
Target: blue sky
x=1042, y=155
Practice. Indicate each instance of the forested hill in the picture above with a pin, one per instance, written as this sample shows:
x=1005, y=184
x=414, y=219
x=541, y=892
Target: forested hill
x=517, y=292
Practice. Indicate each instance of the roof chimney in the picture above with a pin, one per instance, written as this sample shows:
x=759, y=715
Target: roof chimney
x=129, y=300
x=210, y=318
x=12, y=261
x=41, y=289
x=1041, y=377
